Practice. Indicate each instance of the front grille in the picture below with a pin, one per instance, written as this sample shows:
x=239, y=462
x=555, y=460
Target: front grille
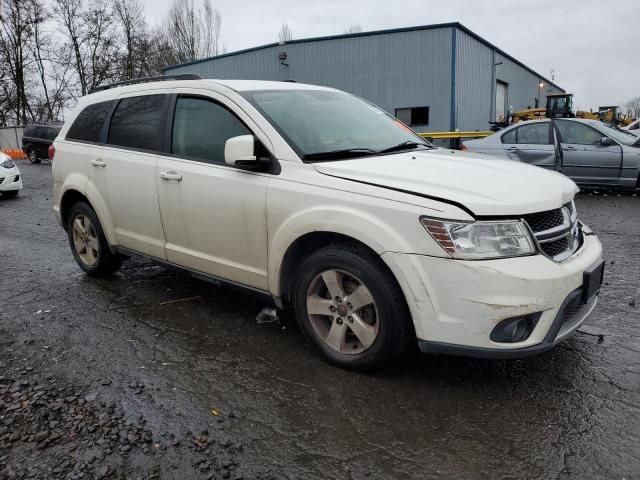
x=555, y=248
x=545, y=220
x=557, y=231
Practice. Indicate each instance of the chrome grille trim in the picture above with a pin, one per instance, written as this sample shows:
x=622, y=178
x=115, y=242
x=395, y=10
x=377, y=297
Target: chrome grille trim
x=561, y=240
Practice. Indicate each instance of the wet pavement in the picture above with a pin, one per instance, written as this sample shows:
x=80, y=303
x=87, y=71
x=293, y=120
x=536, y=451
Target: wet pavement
x=206, y=392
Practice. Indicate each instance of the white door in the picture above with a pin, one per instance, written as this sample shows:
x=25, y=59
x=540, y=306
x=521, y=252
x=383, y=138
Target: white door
x=214, y=215
x=125, y=170
x=501, y=100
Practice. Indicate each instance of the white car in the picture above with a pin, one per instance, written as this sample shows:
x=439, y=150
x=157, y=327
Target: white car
x=322, y=203
x=10, y=178
x=634, y=127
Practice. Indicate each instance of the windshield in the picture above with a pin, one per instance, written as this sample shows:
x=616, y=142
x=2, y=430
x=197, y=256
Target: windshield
x=330, y=125
x=622, y=136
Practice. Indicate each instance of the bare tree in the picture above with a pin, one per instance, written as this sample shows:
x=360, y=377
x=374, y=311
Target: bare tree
x=16, y=31
x=212, y=25
x=356, y=28
x=129, y=15
x=284, y=35
x=91, y=32
x=633, y=107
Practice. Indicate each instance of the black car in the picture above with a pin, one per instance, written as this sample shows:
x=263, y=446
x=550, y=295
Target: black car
x=36, y=140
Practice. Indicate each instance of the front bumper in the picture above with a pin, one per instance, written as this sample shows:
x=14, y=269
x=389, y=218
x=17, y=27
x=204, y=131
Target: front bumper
x=456, y=304
x=10, y=180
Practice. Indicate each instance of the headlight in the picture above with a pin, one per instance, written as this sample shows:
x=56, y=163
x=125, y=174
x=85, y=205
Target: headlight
x=481, y=240
x=7, y=164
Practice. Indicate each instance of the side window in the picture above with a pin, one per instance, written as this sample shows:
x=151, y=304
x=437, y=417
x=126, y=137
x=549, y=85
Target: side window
x=28, y=132
x=509, y=137
x=577, y=133
x=39, y=132
x=88, y=126
x=137, y=122
x=535, y=133
x=52, y=133
x=201, y=127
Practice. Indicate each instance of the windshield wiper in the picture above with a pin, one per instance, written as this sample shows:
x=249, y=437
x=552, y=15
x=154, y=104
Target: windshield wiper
x=339, y=154
x=408, y=145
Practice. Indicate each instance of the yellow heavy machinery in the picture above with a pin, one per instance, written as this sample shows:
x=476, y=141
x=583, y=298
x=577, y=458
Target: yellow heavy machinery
x=560, y=105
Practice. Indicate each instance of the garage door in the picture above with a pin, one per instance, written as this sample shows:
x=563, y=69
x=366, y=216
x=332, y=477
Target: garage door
x=502, y=91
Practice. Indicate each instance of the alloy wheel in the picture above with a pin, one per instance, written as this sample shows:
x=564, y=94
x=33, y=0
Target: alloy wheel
x=342, y=311
x=85, y=240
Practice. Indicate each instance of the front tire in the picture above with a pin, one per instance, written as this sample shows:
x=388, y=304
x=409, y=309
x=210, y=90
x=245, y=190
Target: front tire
x=350, y=307
x=89, y=244
x=33, y=156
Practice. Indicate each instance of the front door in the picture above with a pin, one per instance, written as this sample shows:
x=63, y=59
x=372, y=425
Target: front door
x=531, y=143
x=584, y=158
x=214, y=215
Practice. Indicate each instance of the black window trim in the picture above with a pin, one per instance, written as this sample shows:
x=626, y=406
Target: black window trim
x=550, y=138
x=274, y=165
x=105, y=125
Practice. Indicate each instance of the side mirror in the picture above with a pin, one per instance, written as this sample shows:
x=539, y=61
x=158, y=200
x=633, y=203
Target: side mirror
x=606, y=141
x=240, y=150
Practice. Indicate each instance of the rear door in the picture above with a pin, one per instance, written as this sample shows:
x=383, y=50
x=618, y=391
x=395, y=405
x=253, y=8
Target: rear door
x=584, y=158
x=125, y=171
x=214, y=215
x=532, y=143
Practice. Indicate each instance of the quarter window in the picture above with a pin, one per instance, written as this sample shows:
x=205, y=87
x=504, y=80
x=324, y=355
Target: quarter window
x=88, y=126
x=137, y=122
x=576, y=133
x=202, y=127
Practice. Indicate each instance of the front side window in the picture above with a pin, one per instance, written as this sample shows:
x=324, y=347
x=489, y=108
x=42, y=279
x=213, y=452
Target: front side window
x=201, y=128
x=320, y=123
x=577, y=133
x=137, y=122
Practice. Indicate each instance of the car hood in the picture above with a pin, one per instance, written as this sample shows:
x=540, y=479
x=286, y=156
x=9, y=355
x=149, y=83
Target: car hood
x=483, y=185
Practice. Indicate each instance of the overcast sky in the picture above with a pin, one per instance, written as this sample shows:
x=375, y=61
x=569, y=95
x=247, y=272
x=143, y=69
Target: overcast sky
x=592, y=45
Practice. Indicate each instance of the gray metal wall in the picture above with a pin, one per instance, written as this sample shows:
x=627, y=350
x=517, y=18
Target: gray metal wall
x=475, y=93
x=395, y=70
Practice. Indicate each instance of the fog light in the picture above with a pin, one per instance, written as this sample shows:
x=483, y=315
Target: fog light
x=515, y=329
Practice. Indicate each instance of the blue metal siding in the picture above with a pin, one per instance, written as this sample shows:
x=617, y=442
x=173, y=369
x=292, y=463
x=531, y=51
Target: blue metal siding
x=394, y=70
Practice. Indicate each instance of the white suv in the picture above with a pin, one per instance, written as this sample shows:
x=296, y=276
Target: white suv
x=327, y=205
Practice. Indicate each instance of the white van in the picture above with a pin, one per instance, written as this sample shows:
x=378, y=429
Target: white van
x=325, y=204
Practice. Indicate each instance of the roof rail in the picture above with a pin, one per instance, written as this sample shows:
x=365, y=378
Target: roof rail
x=159, y=78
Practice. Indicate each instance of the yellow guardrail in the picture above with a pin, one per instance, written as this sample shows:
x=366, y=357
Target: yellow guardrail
x=447, y=135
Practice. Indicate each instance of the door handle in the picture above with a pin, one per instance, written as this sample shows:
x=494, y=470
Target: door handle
x=513, y=149
x=98, y=162
x=171, y=176
x=570, y=149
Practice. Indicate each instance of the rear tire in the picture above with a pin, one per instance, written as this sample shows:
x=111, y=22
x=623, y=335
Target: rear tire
x=360, y=320
x=33, y=156
x=10, y=193
x=88, y=242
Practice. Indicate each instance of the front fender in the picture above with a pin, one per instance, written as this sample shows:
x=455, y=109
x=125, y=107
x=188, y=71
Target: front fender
x=364, y=227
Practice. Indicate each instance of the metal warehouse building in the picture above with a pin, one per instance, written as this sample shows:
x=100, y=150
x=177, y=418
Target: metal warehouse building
x=434, y=77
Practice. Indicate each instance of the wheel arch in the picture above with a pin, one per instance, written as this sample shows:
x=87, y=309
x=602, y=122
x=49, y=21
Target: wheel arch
x=72, y=196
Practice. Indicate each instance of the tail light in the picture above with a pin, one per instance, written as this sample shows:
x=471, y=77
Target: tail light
x=51, y=151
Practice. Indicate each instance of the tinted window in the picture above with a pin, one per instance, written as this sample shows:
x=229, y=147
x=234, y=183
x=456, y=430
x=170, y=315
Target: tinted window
x=137, y=122
x=574, y=132
x=88, y=126
x=201, y=128
x=52, y=133
x=28, y=132
x=39, y=132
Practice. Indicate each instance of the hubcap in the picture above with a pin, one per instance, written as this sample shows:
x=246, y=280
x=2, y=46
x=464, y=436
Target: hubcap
x=342, y=311
x=32, y=156
x=85, y=240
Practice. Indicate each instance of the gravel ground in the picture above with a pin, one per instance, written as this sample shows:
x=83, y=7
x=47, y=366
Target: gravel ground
x=153, y=374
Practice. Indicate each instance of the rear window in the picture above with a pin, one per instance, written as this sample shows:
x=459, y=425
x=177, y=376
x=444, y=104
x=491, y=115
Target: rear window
x=88, y=126
x=137, y=122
